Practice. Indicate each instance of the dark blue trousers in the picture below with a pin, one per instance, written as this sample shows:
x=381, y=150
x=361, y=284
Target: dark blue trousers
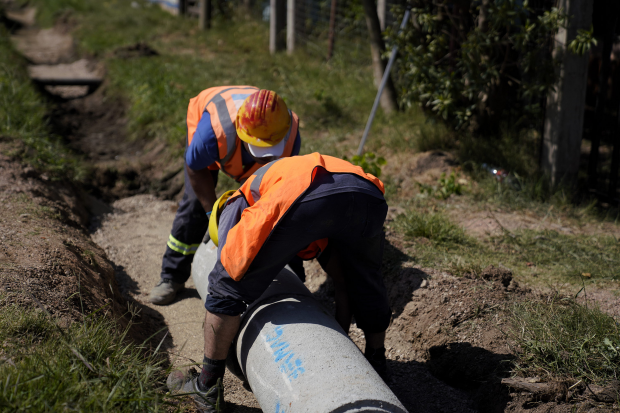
x=353, y=223
x=188, y=229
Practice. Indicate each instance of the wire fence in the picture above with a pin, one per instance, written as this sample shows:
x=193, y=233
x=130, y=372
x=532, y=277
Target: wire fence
x=351, y=38
x=312, y=23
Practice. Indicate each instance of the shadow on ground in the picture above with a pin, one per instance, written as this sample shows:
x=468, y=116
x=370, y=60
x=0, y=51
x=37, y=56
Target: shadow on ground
x=474, y=370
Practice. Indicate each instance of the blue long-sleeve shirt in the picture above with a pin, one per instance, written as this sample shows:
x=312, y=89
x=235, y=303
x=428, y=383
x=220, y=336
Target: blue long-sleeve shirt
x=203, y=150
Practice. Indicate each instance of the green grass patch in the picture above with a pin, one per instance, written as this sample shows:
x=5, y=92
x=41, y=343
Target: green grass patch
x=535, y=256
x=23, y=120
x=563, y=339
x=570, y=256
x=88, y=367
x=433, y=226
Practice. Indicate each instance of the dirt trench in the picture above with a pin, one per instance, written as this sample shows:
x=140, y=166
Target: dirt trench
x=446, y=346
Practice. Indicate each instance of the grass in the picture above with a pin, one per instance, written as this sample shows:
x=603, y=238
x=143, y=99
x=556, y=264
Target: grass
x=566, y=340
x=23, y=122
x=534, y=256
x=433, y=226
x=332, y=99
x=90, y=366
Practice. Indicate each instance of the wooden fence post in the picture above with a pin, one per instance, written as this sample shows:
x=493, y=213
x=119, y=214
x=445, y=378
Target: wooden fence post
x=563, y=128
x=277, y=23
x=182, y=7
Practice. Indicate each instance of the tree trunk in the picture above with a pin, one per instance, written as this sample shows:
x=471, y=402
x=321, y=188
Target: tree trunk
x=377, y=47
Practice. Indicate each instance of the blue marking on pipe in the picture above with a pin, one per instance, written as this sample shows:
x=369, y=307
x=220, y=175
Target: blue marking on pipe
x=280, y=409
x=286, y=360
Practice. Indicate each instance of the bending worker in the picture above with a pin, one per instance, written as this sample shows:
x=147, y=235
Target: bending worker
x=235, y=129
x=295, y=206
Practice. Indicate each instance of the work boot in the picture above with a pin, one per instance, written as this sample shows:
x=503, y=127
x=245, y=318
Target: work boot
x=376, y=358
x=165, y=292
x=186, y=382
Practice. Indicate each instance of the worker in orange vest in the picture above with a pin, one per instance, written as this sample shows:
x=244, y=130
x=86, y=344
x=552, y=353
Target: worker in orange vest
x=235, y=129
x=308, y=205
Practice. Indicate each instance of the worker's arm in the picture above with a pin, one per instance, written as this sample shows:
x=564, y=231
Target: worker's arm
x=203, y=186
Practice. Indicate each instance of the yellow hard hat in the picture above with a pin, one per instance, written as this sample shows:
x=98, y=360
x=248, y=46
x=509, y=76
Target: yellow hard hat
x=214, y=219
x=263, y=119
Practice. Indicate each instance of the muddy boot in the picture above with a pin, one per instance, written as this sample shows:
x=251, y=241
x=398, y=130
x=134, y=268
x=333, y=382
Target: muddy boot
x=165, y=292
x=376, y=358
x=186, y=382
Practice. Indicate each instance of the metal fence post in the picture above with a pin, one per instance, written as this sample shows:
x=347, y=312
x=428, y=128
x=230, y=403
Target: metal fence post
x=290, y=26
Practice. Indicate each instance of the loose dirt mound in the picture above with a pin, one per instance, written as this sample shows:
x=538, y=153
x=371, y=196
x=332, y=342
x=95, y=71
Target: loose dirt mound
x=425, y=168
x=45, y=252
x=445, y=347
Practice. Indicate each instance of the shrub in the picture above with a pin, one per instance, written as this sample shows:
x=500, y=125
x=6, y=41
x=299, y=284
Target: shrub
x=476, y=63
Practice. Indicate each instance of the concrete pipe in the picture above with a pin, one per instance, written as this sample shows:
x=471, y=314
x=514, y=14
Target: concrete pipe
x=294, y=354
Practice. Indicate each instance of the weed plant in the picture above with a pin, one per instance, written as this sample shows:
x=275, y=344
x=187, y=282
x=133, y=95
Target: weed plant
x=566, y=340
x=23, y=121
x=88, y=367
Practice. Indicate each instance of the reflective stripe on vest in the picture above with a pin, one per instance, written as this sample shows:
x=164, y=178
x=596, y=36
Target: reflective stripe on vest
x=270, y=192
x=258, y=178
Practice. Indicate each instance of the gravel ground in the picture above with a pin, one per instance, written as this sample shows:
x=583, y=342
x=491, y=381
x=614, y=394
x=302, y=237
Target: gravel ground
x=134, y=238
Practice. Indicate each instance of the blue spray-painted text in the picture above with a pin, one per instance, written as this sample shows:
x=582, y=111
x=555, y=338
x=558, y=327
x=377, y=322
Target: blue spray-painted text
x=280, y=409
x=286, y=360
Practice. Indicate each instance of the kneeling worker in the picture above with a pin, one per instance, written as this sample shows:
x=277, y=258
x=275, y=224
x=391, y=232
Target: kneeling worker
x=235, y=129
x=296, y=206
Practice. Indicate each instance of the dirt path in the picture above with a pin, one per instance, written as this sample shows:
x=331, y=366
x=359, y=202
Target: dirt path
x=134, y=238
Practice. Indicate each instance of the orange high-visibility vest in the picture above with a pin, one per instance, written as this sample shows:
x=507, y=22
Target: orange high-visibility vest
x=222, y=103
x=270, y=192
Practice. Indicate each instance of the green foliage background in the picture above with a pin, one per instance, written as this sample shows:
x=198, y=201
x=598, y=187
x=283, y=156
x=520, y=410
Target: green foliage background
x=473, y=73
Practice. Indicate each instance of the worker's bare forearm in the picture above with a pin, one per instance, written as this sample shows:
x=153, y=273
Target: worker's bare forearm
x=203, y=186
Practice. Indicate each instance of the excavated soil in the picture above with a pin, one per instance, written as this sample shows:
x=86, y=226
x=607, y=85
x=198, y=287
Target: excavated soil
x=96, y=127
x=47, y=258
x=446, y=346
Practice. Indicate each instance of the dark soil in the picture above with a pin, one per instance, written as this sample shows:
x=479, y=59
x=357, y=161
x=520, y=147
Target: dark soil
x=96, y=127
